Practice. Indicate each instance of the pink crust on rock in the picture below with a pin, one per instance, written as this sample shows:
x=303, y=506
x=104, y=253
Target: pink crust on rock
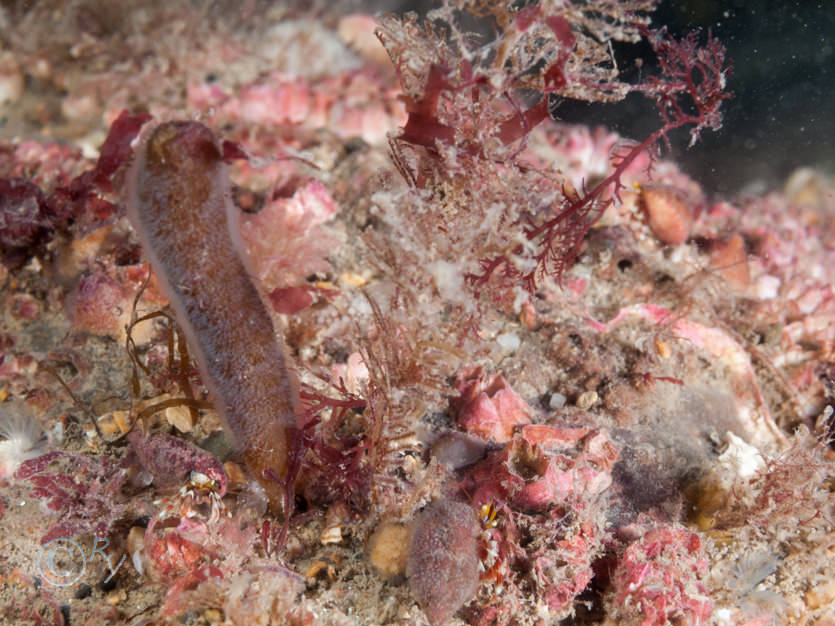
x=442, y=562
x=659, y=579
x=179, y=204
x=489, y=409
x=544, y=466
x=351, y=104
x=283, y=241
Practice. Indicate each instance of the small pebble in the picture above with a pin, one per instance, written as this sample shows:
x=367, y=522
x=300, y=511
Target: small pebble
x=332, y=534
x=557, y=401
x=115, y=597
x=587, y=399
x=509, y=342
x=180, y=417
x=456, y=449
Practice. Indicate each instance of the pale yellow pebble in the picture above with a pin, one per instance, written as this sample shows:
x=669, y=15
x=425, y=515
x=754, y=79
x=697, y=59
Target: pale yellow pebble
x=115, y=597
x=587, y=399
x=180, y=417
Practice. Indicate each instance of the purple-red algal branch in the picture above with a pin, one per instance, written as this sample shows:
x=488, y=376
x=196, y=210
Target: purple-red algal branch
x=687, y=72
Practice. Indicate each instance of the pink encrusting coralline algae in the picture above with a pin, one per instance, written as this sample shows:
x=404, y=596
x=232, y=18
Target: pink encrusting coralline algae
x=321, y=319
x=658, y=579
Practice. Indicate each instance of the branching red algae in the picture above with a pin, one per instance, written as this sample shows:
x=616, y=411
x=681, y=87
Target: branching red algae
x=179, y=202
